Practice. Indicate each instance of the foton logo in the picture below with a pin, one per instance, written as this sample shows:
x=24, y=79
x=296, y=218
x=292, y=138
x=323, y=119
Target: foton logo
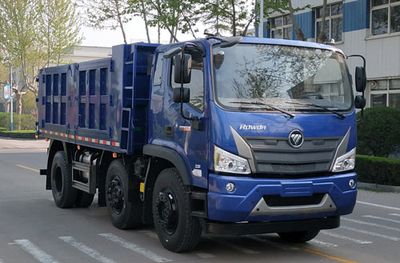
x=249, y=127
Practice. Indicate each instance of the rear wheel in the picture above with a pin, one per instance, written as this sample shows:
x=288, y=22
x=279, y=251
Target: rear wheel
x=299, y=237
x=124, y=214
x=61, y=181
x=176, y=228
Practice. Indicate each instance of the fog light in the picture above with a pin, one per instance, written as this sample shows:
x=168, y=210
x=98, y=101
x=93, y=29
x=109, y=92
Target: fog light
x=352, y=183
x=230, y=187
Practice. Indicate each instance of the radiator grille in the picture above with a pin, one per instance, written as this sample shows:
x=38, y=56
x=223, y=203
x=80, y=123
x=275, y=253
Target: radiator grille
x=276, y=156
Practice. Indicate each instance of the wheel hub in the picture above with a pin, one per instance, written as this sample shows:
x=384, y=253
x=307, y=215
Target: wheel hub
x=167, y=211
x=115, y=195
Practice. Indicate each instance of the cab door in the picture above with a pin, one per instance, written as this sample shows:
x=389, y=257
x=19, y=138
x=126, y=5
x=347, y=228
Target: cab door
x=190, y=137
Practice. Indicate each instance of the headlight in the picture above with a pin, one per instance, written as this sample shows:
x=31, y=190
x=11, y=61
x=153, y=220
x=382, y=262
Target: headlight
x=345, y=162
x=229, y=163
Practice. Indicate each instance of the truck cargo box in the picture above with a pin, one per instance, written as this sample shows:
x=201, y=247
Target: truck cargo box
x=101, y=104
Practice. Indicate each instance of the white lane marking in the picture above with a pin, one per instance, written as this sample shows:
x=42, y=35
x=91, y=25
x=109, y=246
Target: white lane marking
x=149, y=233
x=378, y=205
x=370, y=233
x=35, y=251
x=383, y=219
x=394, y=214
x=205, y=255
x=371, y=224
x=236, y=247
x=86, y=250
x=27, y=168
x=135, y=248
x=322, y=243
x=362, y=242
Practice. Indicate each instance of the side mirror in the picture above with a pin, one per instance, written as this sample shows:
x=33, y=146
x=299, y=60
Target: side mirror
x=360, y=102
x=183, y=68
x=361, y=79
x=219, y=59
x=181, y=95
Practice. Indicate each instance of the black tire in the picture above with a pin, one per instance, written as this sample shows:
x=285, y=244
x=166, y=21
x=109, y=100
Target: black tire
x=61, y=181
x=124, y=214
x=298, y=237
x=176, y=228
x=83, y=199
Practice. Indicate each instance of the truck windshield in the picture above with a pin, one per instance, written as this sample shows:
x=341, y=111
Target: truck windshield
x=285, y=77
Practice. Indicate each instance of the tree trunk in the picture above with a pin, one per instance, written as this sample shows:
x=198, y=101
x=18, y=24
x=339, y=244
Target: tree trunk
x=217, y=21
x=144, y=13
x=233, y=18
x=322, y=37
x=119, y=18
x=48, y=33
x=158, y=33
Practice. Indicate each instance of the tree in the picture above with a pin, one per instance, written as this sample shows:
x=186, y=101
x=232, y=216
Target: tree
x=378, y=131
x=60, y=28
x=108, y=14
x=233, y=16
x=141, y=8
x=30, y=38
x=174, y=16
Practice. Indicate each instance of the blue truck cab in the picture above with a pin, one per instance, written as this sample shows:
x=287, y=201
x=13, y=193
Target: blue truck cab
x=220, y=135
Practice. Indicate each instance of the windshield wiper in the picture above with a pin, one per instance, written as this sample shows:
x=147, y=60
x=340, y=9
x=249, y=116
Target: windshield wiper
x=340, y=115
x=265, y=105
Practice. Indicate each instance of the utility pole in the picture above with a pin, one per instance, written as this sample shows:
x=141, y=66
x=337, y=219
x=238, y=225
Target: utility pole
x=11, y=101
x=261, y=23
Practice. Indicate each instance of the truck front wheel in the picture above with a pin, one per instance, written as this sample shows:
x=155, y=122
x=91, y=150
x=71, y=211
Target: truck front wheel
x=124, y=214
x=61, y=181
x=176, y=228
x=298, y=237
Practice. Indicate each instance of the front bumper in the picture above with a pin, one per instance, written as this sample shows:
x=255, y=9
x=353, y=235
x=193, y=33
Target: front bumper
x=243, y=203
x=220, y=228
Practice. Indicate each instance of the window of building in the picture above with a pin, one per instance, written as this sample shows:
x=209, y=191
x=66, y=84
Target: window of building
x=384, y=93
x=281, y=27
x=385, y=16
x=333, y=27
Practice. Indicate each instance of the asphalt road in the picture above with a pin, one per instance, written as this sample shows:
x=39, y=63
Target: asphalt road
x=33, y=229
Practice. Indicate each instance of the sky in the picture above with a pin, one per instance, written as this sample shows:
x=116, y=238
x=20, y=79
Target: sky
x=135, y=32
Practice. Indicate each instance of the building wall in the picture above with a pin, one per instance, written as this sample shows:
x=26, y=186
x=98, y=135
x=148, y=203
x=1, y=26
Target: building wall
x=382, y=52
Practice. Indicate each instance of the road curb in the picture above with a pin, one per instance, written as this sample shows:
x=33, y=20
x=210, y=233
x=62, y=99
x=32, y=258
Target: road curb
x=379, y=187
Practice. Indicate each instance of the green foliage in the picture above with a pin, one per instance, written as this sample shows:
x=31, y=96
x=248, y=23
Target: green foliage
x=378, y=131
x=378, y=170
x=29, y=104
x=28, y=121
x=60, y=28
x=34, y=33
x=173, y=15
x=3, y=74
x=233, y=16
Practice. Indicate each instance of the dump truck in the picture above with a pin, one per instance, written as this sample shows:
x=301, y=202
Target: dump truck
x=221, y=135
